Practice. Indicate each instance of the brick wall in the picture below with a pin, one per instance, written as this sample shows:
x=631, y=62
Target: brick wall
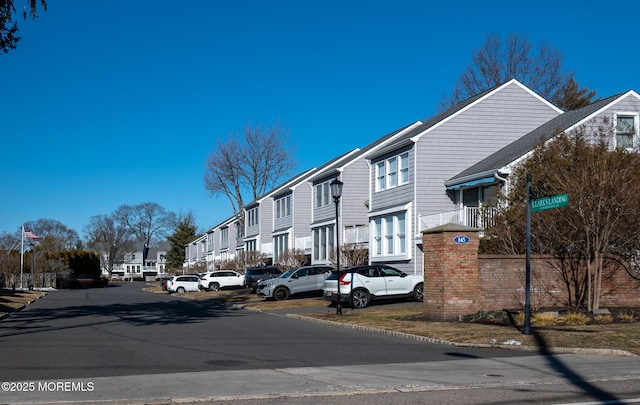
x=459, y=282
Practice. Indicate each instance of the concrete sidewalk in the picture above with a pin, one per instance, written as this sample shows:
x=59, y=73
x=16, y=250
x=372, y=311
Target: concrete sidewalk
x=319, y=381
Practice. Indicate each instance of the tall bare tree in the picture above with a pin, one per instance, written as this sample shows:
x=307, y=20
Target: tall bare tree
x=9, y=27
x=147, y=221
x=109, y=238
x=601, y=220
x=248, y=163
x=497, y=61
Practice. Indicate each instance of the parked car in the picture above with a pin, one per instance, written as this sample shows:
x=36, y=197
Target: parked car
x=301, y=280
x=215, y=280
x=372, y=282
x=163, y=282
x=255, y=274
x=182, y=284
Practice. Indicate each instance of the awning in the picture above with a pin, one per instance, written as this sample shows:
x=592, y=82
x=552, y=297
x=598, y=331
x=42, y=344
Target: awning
x=472, y=183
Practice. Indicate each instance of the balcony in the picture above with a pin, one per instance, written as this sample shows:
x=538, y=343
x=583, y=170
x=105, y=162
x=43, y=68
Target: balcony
x=473, y=217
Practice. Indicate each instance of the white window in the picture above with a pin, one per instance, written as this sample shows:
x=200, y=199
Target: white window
x=280, y=245
x=626, y=130
x=251, y=245
x=377, y=236
x=392, y=164
x=392, y=172
x=252, y=217
x=381, y=176
x=404, y=168
x=323, y=192
x=323, y=243
x=224, y=234
x=389, y=235
x=283, y=207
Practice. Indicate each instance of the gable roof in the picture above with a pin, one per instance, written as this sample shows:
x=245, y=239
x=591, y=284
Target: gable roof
x=451, y=112
x=338, y=166
x=522, y=146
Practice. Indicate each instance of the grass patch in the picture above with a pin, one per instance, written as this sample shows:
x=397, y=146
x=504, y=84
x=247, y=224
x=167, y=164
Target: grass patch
x=620, y=336
x=11, y=300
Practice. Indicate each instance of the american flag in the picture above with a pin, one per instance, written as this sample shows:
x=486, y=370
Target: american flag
x=32, y=235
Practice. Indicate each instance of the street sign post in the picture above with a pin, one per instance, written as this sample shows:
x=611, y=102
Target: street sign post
x=539, y=204
x=548, y=203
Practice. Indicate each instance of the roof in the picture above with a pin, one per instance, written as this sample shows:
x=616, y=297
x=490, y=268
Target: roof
x=336, y=166
x=520, y=147
x=410, y=136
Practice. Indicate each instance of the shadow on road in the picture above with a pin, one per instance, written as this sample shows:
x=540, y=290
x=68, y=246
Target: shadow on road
x=570, y=375
x=138, y=314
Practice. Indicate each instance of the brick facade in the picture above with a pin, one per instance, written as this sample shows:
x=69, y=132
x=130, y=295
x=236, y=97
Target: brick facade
x=458, y=281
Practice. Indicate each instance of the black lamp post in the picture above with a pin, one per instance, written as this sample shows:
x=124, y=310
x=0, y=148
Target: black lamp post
x=336, y=193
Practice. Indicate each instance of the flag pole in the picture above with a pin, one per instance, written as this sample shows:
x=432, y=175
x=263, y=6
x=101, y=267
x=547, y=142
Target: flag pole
x=21, y=255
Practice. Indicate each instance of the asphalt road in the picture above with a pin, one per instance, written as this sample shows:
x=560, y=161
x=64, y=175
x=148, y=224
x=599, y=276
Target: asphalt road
x=122, y=330
x=120, y=343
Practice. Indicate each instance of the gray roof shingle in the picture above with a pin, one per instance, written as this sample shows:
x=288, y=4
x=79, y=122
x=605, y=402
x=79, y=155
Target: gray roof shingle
x=528, y=142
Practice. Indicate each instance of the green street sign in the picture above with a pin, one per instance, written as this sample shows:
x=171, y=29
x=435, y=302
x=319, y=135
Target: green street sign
x=548, y=203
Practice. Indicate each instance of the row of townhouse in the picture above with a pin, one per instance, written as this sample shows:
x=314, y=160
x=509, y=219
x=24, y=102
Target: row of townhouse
x=442, y=170
x=142, y=261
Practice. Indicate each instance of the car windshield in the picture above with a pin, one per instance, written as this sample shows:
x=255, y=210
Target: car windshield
x=288, y=274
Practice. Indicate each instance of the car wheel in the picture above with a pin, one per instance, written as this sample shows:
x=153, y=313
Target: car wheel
x=214, y=287
x=418, y=292
x=360, y=299
x=281, y=294
x=180, y=289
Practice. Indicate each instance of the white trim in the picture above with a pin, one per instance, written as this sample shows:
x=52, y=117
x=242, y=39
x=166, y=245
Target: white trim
x=635, y=115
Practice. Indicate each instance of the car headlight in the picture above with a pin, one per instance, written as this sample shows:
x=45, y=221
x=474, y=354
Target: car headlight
x=265, y=285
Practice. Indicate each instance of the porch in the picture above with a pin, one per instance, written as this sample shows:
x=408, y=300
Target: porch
x=473, y=217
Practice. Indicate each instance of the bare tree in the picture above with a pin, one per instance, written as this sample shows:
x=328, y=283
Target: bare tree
x=251, y=162
x=497, y=61
x=109, y=238
x=147, y=221
x=351, y=254
x=292, y=258
x=8, y=25
x=246, y=259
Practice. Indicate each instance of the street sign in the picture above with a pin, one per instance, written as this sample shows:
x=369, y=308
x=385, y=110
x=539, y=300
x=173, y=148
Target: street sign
x=548, y=203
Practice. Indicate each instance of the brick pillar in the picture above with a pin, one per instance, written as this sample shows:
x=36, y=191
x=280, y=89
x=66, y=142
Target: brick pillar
x=451, y=287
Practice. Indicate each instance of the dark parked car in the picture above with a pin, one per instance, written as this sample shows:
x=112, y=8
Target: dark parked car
x=255, y=274
x=163, y=282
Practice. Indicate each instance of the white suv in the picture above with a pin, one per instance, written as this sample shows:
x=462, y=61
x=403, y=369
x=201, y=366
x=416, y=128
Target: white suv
x=183, y=283
x=215, y=280
x=300, y=280
x=370, y=283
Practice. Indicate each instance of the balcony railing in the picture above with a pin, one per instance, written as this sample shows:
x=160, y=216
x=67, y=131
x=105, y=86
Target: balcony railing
x=474, y=217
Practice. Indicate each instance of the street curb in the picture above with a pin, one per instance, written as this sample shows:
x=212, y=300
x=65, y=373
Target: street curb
x=549, y=350
x=5, y=315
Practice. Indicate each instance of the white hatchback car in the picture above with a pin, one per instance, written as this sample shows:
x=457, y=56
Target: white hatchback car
x=182, y=284
x=370, y=283
x=215, y=280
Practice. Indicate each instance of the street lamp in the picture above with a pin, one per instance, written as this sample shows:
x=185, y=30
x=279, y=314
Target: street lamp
x=336, y=193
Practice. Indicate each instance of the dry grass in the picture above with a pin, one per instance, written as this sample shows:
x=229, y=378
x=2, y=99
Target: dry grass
x=11, y=300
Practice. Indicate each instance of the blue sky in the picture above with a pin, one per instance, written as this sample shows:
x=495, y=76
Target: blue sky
x=117, y=102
